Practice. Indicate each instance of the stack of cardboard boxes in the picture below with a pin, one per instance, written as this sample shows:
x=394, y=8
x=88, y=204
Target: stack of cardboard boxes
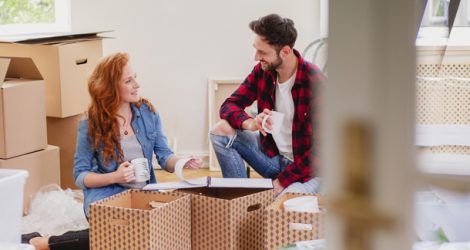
x=23, y=135
x=44, y=76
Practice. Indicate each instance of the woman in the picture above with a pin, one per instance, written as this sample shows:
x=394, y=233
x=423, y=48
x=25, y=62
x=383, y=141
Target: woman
x=120, y=126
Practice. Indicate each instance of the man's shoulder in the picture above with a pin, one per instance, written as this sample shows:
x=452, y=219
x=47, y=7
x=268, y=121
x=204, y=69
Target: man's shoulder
x=311, y=73
x=310, y=68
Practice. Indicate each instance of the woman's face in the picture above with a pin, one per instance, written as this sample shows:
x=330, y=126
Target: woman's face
x=129, y=86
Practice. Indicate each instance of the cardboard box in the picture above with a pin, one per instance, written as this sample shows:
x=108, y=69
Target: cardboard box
x=62, y=132
x=126, y=221
x=65, y=62
x=278, y=231
x=43, y=168
x=228, y=218
x=22, y=108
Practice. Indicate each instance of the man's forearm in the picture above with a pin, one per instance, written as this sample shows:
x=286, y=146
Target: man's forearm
x=248, y=124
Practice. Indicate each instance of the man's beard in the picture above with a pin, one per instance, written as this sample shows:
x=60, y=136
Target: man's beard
x=274, y=65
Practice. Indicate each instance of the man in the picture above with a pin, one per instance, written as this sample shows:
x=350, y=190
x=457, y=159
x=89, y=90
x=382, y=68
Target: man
x=282, y=81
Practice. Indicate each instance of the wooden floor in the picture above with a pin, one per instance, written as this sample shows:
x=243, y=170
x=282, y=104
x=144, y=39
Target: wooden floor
x=164, y=176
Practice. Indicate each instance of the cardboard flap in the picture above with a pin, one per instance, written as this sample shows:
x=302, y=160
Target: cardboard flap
x=18, y=67
x=4, y=62
x=41, y=38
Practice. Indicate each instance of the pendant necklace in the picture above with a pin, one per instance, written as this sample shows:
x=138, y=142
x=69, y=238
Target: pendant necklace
x=126, y=123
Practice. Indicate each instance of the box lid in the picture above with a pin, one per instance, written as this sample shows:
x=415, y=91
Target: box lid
x=41, y=38
x=18, y=67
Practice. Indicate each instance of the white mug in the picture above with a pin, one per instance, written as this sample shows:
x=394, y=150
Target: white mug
x=141, y=169
x=276, y=118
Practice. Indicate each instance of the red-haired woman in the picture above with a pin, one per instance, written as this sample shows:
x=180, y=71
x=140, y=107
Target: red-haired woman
x=120, y=126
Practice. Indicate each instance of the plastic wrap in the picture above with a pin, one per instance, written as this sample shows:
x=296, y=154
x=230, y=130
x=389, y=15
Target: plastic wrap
x=54, y=211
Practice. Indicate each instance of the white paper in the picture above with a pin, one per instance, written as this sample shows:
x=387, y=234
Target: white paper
x=311, y=244
x=208, y=181
x=241, y=183
x=179, y=168
x=442, y=134
x=183, y=183
x=172, y=185
x=179, y=172
x=198, y=181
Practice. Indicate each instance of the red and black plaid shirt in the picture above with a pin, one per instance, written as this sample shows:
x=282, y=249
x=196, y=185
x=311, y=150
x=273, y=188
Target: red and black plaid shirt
x=260, y=86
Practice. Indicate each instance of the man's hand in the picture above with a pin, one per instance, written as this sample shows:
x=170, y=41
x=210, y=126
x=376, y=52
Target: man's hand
x=277, y=187
x=255, y=124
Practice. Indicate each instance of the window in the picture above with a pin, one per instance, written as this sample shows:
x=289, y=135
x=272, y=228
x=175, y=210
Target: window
x=439, y=12
x=434, y=31
x=34, y=16
x=443, y=129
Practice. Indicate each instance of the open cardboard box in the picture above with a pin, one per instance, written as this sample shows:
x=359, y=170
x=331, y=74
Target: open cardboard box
x=128, y=221
x=65, y=61
x=22, y=108
x=228, y=218
x=279, y=230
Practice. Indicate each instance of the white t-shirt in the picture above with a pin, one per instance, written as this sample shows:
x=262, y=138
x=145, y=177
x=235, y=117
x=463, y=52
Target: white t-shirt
x=285, y=104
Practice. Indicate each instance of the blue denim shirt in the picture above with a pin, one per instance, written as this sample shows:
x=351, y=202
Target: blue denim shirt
x=148, y=130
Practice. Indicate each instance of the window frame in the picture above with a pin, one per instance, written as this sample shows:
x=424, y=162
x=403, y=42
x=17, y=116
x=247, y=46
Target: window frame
x=62, y=22
x=430, y=35
x=439, y=20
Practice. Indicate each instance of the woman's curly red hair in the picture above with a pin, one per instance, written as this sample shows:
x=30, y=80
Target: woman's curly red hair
x=104, y=88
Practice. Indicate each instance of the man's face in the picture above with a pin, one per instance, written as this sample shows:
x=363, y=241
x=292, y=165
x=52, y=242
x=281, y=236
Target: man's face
x=266, y=54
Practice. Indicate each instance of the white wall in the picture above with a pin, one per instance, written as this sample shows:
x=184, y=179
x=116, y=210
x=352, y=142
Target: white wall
x=176, y=45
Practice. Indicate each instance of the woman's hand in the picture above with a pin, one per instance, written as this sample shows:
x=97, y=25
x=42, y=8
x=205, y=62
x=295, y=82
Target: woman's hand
x=124, y=173
x=193, y=163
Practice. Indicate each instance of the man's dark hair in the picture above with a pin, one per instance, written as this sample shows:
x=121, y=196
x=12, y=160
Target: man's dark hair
x=276, y=30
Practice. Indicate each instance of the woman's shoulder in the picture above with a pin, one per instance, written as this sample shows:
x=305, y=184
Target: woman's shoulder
x=82, y=126
x=145, y=105
x=82, y=119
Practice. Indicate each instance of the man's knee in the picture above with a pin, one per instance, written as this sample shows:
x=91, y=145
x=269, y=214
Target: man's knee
x=222, y=128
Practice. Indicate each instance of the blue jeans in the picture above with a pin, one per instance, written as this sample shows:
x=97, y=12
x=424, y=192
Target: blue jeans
x=312, y=186
x=245, y=145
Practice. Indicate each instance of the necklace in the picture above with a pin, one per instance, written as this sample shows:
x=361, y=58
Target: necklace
x=126, y=123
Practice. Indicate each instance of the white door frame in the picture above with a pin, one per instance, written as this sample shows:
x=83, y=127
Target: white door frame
x=371, y=81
